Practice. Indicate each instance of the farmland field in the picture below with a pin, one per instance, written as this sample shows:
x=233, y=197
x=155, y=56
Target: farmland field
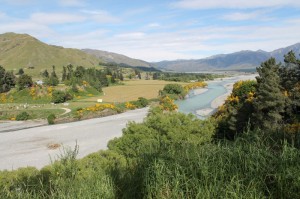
x=132, y=90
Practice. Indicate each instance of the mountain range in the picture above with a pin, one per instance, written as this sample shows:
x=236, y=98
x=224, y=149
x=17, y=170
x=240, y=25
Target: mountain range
x=24, y=51
x=234, y=61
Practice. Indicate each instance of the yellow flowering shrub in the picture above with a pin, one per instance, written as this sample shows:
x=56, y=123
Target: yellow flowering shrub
x=49, y=91
x=250, y=96
x=167, y=104
x=129, y=105
x=3, y=98
x=195, y=85
x=293, y=128
x=232, y=98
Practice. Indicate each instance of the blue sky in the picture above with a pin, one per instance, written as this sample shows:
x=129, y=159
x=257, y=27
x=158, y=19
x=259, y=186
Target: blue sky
x=157, y=30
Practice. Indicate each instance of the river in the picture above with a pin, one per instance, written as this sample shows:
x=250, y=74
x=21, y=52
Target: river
x=201, y=104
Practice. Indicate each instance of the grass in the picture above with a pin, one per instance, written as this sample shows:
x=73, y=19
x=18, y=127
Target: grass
x=130, y=91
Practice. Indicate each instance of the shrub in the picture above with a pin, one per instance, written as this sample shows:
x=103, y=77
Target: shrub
x=142, y=102
x=60, y=97
x=51, y=118
x=22, y=116
x=174, y=91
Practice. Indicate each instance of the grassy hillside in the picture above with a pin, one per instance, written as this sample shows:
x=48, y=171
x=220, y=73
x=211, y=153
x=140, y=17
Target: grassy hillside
x=117, y=58
x=23, y=51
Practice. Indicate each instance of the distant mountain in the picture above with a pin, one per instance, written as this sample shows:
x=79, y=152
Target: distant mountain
x=110, y=57
x=233, y=61
x=23, y=51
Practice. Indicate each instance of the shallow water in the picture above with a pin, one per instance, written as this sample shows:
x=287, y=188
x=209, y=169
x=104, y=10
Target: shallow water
x=202, y=101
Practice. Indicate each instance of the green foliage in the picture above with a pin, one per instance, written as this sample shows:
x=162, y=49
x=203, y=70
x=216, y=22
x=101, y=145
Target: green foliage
x=167, y=156
x=184, y=77
x=24, y=81
x=141, y=102
x=21, y=71
x=22, y=116
x=7, y=80
x=175, y=91
x=161, y=130
x=236, y=113
x=270, y=101
x=51, y=119
x=60, y=97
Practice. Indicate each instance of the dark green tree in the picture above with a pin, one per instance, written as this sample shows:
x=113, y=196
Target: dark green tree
x=21, y=71
x=53, y=79
x=9, y=81
x=270, y=101
x=70, y=71
x=290, y=81
x=24, y=81
x=45, y=74
x=64, y=74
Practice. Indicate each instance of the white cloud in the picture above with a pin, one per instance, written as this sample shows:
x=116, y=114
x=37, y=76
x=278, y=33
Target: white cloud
x=239, y=16
x=131, y=36
x=204, y=4
x=153, y=25
x=101, y=16
x=193, y=43
x=37, y=30
x=56, y=18
x=71, y=3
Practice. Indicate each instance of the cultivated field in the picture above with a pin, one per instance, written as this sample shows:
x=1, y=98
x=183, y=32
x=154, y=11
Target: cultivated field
x=132, y=90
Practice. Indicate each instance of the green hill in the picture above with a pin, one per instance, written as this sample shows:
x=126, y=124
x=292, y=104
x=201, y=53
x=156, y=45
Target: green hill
x=24, y=51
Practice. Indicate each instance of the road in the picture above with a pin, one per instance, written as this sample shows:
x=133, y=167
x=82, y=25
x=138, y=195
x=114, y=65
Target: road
x=29, y=147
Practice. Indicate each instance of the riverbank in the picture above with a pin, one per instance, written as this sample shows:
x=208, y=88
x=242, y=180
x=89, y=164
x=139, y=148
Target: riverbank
x=227, y=84
x=221, y=99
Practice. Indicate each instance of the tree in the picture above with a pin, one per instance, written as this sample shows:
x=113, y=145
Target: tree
x=290, y=81
x=270, y=101
x=64, y=74
x=24, y=81
x=9, y=81
x=53, y=79
x=45, y=74
x=174, y=90
x=21, y=71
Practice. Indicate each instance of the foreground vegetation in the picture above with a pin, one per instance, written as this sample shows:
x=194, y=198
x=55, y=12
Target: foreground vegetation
x=249, y=149
x=170, y=155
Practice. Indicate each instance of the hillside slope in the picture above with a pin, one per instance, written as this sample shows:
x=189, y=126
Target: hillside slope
x=116, y=58
x=23, y=51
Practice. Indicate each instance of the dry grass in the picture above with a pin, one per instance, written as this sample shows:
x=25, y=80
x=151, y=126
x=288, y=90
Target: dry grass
x=53, y=146
x=132, y=90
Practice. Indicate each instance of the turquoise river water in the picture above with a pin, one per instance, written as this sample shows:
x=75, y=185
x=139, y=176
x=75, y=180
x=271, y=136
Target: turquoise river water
x=202, y=101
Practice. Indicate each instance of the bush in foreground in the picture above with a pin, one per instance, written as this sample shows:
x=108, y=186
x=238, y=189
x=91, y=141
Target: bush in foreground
x=22, y=116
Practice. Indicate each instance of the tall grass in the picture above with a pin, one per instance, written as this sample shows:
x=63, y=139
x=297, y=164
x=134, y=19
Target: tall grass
x=250, y=167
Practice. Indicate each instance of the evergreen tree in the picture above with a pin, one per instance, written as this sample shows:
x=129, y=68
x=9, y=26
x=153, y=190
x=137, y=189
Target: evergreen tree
x=53, y=74
x=9, y=81
x=45, y=74
x=24, y=81
x=53, y=79
x=290, y=81
x=21, y=71
x=270, y=101
x=64, y=74
x=70, y=71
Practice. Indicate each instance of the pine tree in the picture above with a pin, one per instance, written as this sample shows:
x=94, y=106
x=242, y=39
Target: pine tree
x=64, y=74
x=270, y=101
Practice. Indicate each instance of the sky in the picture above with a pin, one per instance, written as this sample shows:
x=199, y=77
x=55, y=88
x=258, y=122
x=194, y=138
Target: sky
x=157, y=30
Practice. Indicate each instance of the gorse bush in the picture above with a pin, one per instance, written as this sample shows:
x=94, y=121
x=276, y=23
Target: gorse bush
x=60, y=96
x=22, y=116
x=51, y=119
